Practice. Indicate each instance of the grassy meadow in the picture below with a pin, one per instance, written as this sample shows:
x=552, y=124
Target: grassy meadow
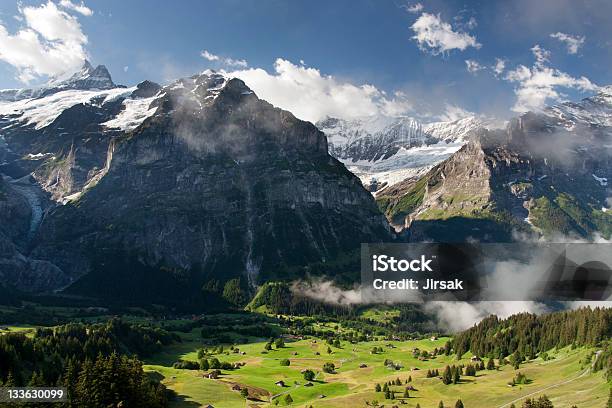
x=565, y=379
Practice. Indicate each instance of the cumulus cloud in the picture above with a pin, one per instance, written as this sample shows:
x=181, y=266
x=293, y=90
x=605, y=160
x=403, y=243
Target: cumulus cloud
x=499, y=67
x=50, y=43
x=540, y=84
x=312, y=96
x=235, y=62
x=209, y=56
x=79, y=8
x=414, y=8
x=473, y=66
x=230, y=62
x=573, y=43
x=436, y=36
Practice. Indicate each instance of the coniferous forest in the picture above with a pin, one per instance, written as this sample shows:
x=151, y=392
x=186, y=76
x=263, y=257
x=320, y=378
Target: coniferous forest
x=98, y=363
x=525, y=335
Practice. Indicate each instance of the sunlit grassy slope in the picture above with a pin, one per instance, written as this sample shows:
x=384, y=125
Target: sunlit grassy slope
x=565, y=379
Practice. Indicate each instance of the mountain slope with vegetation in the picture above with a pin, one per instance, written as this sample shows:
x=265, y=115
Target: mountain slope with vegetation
x=545, y=174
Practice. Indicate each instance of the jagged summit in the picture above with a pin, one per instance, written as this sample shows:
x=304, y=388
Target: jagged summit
x=86, y=78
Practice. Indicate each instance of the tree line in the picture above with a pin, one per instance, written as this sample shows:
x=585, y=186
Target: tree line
x=525, y=335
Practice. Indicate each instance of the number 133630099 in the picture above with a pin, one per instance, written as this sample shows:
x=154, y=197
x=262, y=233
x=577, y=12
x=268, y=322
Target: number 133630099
x=32, y=394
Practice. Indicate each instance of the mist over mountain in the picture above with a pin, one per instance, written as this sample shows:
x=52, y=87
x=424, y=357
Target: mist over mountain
x=546, y=173
x=169, y=187
x=174, y=185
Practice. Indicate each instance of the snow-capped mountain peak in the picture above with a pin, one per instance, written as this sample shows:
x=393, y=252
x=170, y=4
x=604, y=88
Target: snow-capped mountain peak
x=383, y=150
x=594, y=111
x=87, y=78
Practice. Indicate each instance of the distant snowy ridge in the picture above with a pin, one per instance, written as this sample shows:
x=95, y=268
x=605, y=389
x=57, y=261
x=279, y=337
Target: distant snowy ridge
x=384, y=150
x=595, y=111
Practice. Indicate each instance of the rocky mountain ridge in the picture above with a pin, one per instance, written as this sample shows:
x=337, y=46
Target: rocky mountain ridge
x=546, y=173
x=383, y=150
x=179, y=185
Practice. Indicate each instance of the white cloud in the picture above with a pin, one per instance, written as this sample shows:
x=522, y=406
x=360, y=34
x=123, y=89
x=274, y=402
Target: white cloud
x=415, y=8
x=126, y=68
x=436, y=36
x=309, y=95
x=473, y=66
x=541, y=55
x=209, y=56
x=457, y=316
x=50, y=43
x=540, y=84
x=499, y=67
x=79, y=8
x=573, y=43
x=454, y=112
x=230, y=62
x=240, y=63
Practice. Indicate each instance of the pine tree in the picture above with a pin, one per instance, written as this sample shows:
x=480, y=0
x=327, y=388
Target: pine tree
x=441, y=404
x=447, y=377
x=406, y=393
x=36, y=380
x=288, y=399
x=459, y=404
x=377, y=388
x=10, y=380
x=204, y=365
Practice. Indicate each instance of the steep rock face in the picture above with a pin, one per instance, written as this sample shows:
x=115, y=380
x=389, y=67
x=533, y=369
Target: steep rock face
x=216, y=184
x=16, y=269
x=542, y=174
x=62, y=137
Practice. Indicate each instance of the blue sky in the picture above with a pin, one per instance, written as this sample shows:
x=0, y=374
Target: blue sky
x=411, y=54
